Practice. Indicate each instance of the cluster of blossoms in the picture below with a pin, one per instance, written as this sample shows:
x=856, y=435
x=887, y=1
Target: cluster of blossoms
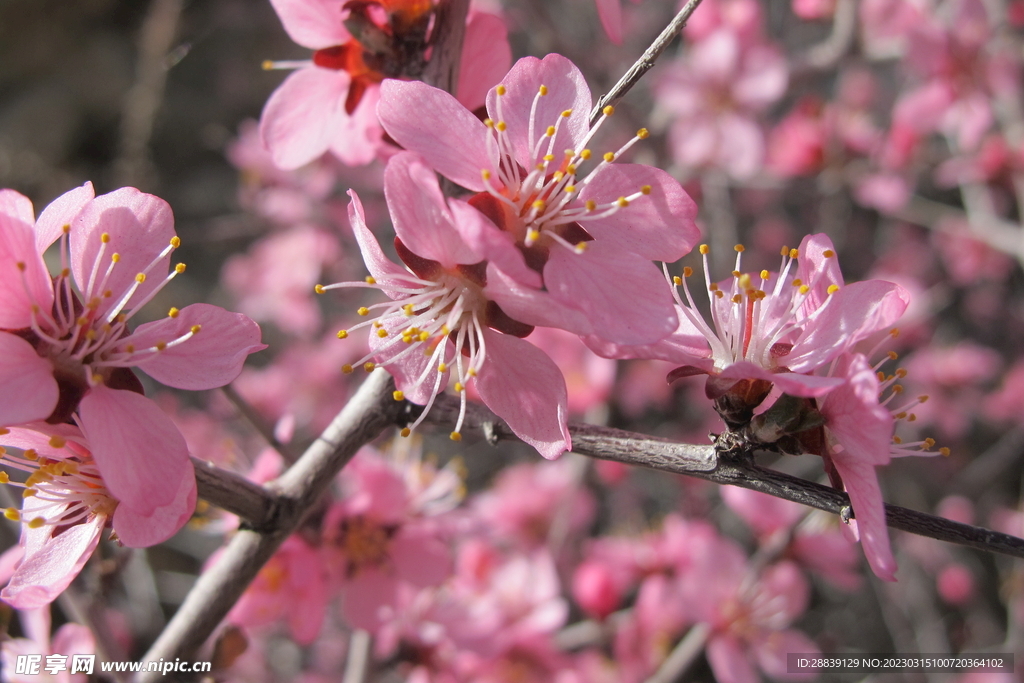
x=97, y=452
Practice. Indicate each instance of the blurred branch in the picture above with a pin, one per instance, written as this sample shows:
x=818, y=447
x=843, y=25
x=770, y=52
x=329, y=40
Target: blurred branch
x=826, y=54
x=143, y=100
x=646, y=61
x=256, y=421
x=366, y=415
x=703, y=462
x=450, y=28
x=682, y=655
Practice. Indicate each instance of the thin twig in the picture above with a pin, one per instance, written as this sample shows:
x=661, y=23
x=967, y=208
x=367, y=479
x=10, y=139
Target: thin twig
x=256, y=421
x=682, y=655
x=357, y=661
x=703, y=462
x=365, y=416
x=257, y=506
x=646, y=61
x=826, y=54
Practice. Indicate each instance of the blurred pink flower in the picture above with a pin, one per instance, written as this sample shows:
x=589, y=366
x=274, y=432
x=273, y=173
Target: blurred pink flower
x=68, y=353
x=743, y=17
x=588, y=377
x=587, y=241
x=68, y=504
x=443, y=316
x=328, y=103
x=69, y=640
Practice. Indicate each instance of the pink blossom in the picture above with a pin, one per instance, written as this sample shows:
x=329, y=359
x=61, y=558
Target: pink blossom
x=292, y=585
x=714, y=94
x=588, y=241
x=327, y=104
x=814, y=9
x=743, y=17
x=69, y=640
x=68, y=503
x=443, y=319
x=68, y=352
x=796, y=146
x=588, y=377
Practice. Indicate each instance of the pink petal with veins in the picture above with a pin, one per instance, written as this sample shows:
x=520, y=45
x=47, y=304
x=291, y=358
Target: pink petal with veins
x=26, y=382
x=61, y=211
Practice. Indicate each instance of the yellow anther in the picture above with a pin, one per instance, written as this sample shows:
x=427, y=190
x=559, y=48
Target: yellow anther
x=797, y=282
x=567, y=113
x=828, y=253
x=893, y=355
x=736, y=273
x=58, y=441
x=267, y=65
x=581, y=247
x=570, y=189
x=558, y=175
x=894, y=332
x=500, y=90
x=765, y=275
x=804, y=289
x=4, y=431
x=405, y=431
x=591, y=205
x=622, y=202
x=646, y=189
x=720, y=294
x=609, y=156
x=912, y=417
x=382, y=333
x=944, y=451
x=28, y=493
x=363, y=310
x=744, y=281
x=342, y=334
x=398, y=395
x=370, y=280
x=501, y=125
x=175, y=241
x=676, y=280
x=922, y=398
x=571, y=170
x=442, y=367
x=4, y=478
x=179, y=268
x=687, y=271
x=897, y=388
x=105, y=237
x=543, y=90
x=704, y=249
x=471, y=372
x=319, y=289
x=901, y=373
x=140, y=278
x=173, y=313
x=785, y=250
x=459, y=387
x=737, y=299
x=713, y=287
x=12, y=514
x=21, y=266
x=369, y=366
x=195, y=329
x=36, y=523
x=549, y=157
x=455, y=436
x=832, y=289
x=66, y=229
x=489, y=123
x=539, y=204
x=643, y=133
x=424, y=336
x=897, y=440
x=347, y=369
x=880, y=375
x=929, y=443
x=900, y=416
x=585, y=154
x=532, y=235
x=485, y=174
x=740, y=248
x=794, y=253
x=550, y=132
x=408, y=309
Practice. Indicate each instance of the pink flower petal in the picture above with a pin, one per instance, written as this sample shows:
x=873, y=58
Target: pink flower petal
x=17, y=246
x=772, y=653
x=659, y=226
x=497, y=246
x=356, y=139
x=729, y=661
x=420, y=558
x=61, y=211
x=610, y=12
x=818, y=271
x=26, y=382
x=140, y=453
x=365, y=595
x=420, y=214
x=686, y=346
x=140, y=226
x=788, y=382
x=486, y=48
x=861, y=482
x=302, y=117
x=854, y=416
x=624, y=295
x=44, y=575
x=526, y=389
x=314, y=24
x=567, y=90
x=141, y=531
x=430, y=122
x=380, y=266
x=211, y=358
x=532, y=306
x=408, y=369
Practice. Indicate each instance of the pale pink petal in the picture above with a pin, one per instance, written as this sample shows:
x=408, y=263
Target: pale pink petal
x=887, y=192
x=140, y=226
x=356, y=139
x=610, y=12
x=772, y=653
x=26, y=382
x=763, y=78
x=141, y=455
x=9, y=559
x=686, y=346
x=729, y=661
x=740, y=145
x=659, y=226
x=141, y=531
x=408, y=369
x=789, y=590
x=36, y=625
x=74, y=639
x=61, y=212
x=567, y=90
x=526, y=389
x=861, y=482
x=419, y=212
x=532, y=306
x=210, y=358
x=20, y=289
x=816, y=270
x=314, y=24
x=365, y=595
x=694, y=141
x=431, y=122
x=497, y=246
x=486, y=48
x=788, y=382
x=420, y=558
x=44, y=575
x=302, y=117
x=763, y=513
x=37, y=436
x=854, y=416
x=380, y=266
x=624, y=295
